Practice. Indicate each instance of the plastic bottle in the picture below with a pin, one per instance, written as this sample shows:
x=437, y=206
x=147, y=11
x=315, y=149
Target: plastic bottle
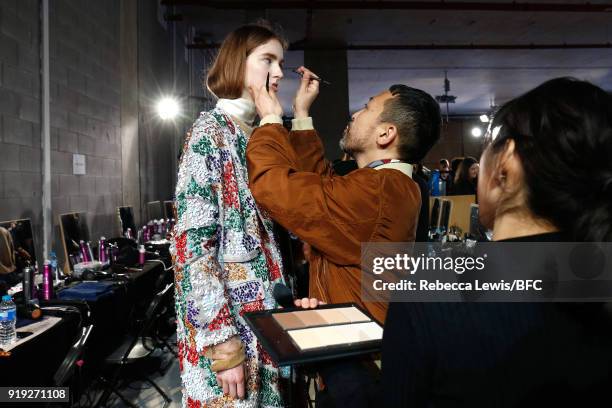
x=102, y=250
x=434, y=188
x=8, y=319
x=53, y=262
x=47, y=292
x=141, y=255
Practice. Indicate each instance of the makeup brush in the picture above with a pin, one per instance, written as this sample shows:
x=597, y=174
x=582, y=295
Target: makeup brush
x=321, y=80
x=268, y=83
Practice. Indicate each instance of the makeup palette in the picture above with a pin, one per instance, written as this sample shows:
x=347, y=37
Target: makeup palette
x=310, y=335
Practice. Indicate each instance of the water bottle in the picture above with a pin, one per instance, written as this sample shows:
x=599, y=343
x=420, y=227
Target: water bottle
x=434, y=187
x=8, y=318
x=442, y=187
x=53, y=262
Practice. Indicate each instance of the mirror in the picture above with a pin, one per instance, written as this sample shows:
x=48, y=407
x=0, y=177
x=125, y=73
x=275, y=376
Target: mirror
x=16, y=245
x=74, y=229
x=126, y=220
x=154, y=210
x=434, y=220
x=169, y=209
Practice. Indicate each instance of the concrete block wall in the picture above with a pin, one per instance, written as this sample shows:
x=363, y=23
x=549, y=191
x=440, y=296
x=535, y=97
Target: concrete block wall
x=85, y=105
x=20, y=152
x=85, y=91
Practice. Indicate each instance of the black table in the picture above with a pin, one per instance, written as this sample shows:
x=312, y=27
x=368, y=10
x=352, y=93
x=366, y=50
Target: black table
x=35, y=362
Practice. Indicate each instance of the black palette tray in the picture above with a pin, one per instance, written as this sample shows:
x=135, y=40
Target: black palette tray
x=281, y=348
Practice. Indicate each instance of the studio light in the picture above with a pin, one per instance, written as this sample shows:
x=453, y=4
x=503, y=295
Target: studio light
x=484, y=118
x=167, y=108
x=476, y=131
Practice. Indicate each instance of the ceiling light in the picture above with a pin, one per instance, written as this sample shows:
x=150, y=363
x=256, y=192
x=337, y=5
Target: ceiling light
x=167, y=108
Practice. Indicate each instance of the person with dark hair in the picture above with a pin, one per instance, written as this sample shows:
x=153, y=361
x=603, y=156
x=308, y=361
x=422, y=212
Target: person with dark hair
x=378, y=202
x=444, y=168
x=546, y=177
x=226, y=258
x=466, y=177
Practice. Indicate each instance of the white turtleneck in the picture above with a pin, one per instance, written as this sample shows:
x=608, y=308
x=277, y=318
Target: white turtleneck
x=242, y=109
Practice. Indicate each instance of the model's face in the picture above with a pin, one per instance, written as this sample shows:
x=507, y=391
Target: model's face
x=361, y=132
x=473, y=171
x=266, y=59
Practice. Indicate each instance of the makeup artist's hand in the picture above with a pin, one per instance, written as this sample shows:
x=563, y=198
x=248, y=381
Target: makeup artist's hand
x=306, y=93
x=306, y=303
x=266, y=102
x=232, y=381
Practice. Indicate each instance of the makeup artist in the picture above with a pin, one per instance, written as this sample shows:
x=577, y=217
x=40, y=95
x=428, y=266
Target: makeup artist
x=379, y=202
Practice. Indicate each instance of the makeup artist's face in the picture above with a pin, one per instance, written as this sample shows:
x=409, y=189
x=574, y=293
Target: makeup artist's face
x=362, y=131
x=267, y=58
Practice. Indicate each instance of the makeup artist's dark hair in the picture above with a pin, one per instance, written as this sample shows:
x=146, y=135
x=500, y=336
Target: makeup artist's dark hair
x=225, y=77
x=417, y=117
x=562, y=132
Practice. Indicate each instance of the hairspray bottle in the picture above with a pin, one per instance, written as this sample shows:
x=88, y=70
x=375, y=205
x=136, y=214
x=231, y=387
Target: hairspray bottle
x=84, y=252
x=28, y=283
x=114, y=252
x=47, y=291
x=141, y=255
x=102, y=250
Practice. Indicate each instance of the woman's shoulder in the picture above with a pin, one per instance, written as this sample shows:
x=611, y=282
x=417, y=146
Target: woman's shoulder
x=206, y=133
x=209, y=119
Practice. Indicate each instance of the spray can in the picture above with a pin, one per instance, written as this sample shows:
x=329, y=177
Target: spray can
x=47, y=292
x=102, y=250
x=141, y=255
x=29, y=291
x=84, y=252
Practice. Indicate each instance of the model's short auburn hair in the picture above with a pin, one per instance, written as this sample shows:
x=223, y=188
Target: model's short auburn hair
x=225, y=77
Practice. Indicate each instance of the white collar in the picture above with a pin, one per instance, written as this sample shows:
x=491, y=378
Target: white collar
x=243, y=109
x=403, y=167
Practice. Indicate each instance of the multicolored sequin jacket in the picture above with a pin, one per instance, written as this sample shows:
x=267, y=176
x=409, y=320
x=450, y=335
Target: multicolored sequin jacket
x=226, y=263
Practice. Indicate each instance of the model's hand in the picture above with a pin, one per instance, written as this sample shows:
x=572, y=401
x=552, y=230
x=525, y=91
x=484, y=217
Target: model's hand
x=306, y=93
x=232, y=381
x=306, y=303
x=266, y=102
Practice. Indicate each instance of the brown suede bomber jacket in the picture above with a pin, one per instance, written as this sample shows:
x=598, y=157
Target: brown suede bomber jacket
x=290, y=179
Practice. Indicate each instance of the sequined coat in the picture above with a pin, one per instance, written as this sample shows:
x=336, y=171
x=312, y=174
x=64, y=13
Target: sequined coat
x=226, y=262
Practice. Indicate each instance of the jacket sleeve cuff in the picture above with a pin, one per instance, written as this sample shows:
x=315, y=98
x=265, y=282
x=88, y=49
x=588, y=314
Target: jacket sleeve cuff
x=302, y=124
x=271, y=119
